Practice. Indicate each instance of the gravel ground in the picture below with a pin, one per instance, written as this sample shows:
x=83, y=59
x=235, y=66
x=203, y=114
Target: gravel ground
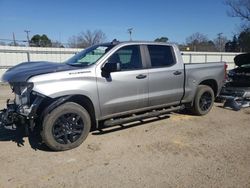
x=174, y=151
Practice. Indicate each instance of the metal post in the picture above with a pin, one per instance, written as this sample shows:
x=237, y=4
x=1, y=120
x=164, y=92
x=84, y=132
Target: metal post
x=28, y=56
x=28, y=38
x=130, y=33
x=219, y=37
x=14, y=39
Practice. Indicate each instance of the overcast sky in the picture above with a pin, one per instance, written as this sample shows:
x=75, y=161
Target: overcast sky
x=60, y=19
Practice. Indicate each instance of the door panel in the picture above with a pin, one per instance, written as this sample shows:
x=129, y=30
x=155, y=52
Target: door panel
x=164, y=86
x=123, y=92
x=166, y=76
x=126, y=89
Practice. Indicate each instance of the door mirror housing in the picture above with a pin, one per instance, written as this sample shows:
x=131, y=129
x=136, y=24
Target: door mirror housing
x=110, y=67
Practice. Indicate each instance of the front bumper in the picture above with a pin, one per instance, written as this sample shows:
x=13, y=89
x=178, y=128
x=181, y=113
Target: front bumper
x=17, y=114
x=9, y=116
x=240, y=92
x=235, y=97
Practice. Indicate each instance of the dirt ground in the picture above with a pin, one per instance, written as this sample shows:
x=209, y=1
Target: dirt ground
x=174, y=151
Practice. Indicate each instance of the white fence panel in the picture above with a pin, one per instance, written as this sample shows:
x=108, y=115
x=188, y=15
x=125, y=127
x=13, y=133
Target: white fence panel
x=11, y=55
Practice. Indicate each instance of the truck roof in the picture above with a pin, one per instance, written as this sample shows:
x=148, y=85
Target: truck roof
x=116, y=42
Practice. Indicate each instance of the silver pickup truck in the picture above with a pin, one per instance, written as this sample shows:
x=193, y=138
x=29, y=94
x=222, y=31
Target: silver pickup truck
x=105, y=85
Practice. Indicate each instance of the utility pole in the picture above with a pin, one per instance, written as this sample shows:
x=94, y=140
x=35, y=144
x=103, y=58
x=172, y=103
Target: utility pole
x=219, y=37
x=28, y=38
x=130, y=30
x=14, y=39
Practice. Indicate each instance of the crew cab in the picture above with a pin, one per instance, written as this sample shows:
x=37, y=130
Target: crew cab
x=107, y=84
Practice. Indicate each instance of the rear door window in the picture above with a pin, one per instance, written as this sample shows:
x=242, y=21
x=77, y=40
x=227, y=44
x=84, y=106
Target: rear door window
x=161, y=56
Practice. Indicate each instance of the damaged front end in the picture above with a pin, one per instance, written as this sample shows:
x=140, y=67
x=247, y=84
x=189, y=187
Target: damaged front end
x=236, y=91
x=22, y=109
x=7, y=116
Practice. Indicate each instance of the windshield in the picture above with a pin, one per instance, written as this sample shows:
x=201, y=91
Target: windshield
x=90, y=55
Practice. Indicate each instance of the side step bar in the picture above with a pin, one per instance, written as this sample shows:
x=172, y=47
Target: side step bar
x=134, y=117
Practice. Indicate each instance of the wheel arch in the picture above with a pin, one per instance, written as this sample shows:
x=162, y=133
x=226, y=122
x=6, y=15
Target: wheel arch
x=50, y=104
x=86, y=103
x=211, y=83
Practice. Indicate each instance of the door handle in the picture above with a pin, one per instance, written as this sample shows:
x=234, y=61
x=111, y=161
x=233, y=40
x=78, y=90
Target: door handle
x=141, y=76
x=177, y=72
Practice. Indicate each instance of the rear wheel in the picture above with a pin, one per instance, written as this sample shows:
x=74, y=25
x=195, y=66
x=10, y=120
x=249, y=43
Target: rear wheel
x=203, y=101
x=66, y=127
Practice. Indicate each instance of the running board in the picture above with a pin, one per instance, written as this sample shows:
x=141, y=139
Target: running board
x=134, y=117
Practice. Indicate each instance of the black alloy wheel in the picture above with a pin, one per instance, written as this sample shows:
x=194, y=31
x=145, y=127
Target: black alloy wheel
x=205, y=101
x=68, y=128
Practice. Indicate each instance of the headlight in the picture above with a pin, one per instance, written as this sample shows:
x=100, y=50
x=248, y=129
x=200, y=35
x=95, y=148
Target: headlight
x=22, y=91
x=22, y=88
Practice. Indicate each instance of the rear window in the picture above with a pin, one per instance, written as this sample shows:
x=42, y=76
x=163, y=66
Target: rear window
x=161, y=56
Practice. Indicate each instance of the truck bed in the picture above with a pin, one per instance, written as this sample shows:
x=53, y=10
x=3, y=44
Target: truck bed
x=196, y=72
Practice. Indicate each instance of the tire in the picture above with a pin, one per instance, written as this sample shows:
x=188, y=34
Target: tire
x=203, y=101
x=66, y=127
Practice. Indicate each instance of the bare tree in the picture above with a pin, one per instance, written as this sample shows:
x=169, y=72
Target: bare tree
x=196, y=38
x=73, y=42
x=86, y=39
x=239, y=8
x=220, y=42
x=57, y=44
x=200, y=42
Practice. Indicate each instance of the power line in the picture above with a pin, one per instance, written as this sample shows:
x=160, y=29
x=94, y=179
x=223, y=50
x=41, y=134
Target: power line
x=11, y=40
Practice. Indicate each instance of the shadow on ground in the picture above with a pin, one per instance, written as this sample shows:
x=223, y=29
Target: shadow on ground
x=18, y=136
x=115, y=128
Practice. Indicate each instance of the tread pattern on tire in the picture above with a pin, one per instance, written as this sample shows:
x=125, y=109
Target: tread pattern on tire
x=200, y=90
x=50, y=118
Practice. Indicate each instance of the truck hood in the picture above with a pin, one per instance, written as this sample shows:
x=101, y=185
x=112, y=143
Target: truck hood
x=242, y=59
x=23, y=71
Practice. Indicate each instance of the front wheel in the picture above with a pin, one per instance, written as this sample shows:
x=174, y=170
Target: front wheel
x=203, y=101
x=66, y=127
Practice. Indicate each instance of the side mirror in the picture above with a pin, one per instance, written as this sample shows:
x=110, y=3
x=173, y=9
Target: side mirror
x=110, y=67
